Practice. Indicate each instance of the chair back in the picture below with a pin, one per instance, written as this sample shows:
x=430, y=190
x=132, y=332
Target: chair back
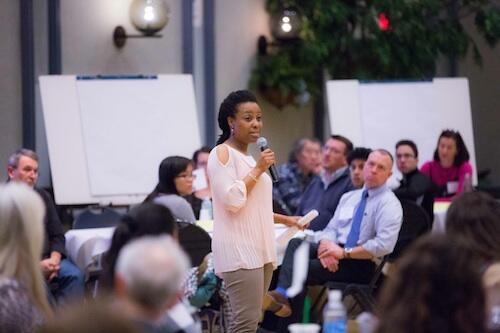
x=415, y=224
x=195, y=241
x=93, y=218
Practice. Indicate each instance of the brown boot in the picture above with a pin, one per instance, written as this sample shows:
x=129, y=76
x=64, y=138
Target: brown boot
x=277, y=303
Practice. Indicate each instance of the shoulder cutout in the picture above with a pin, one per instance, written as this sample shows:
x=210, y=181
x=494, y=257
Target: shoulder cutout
x=222, y=154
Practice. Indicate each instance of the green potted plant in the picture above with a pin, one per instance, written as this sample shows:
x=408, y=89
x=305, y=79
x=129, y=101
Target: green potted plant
x=279, y=80
x=371, y=40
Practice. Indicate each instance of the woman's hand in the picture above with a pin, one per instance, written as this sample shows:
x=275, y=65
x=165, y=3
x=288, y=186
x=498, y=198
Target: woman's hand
x=289, y=221
x=266, y=160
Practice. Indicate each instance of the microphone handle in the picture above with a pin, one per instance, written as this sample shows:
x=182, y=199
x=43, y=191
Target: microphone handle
x=275, y=176
x=274, y=173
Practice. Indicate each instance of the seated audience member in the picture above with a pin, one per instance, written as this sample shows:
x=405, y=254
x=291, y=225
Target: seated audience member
x=200, y=159
x=450, y=166
x=65, y=280
x=356, y=161
x=414, y=186
x=175, y=180
x=325, y=190
x=436, y=287
x=295, y=175
x=365, y=225
x=150, y=272
x=91, y=318
x=145, y=219
x=23, y=300
x=474, y=219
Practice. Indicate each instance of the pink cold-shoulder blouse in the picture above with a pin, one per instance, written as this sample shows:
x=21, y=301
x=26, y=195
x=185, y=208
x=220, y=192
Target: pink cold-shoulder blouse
x=243, y=236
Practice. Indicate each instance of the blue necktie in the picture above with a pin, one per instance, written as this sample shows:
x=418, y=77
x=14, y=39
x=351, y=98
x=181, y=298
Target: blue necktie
x=352, y=238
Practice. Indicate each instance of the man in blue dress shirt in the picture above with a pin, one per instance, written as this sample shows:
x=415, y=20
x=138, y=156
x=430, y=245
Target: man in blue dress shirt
x=365, y=226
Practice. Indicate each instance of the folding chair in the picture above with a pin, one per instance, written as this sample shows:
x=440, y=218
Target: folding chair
x=92, y=218
x=415, y=223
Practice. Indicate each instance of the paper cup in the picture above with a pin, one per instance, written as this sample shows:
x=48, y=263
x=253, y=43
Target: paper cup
x=304, y=328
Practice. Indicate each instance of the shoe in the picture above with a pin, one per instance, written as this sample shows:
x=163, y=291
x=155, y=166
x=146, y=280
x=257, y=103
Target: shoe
x=277, y=303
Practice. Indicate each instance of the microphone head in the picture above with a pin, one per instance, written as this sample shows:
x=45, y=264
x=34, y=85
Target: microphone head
x=262, y=142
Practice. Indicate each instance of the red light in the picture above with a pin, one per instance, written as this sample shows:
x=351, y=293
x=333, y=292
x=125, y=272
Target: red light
x=383, y=22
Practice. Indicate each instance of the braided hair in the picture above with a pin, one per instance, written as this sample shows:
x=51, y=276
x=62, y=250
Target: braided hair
x=228, y=108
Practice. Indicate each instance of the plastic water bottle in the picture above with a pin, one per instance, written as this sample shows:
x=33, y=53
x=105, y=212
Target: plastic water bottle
x=206, y=210
x=494, y=320
x=467, y=183
x=334, y=314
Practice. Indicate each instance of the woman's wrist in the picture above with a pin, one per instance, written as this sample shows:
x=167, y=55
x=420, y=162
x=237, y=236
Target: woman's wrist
x=257, y=172
x=252, y=176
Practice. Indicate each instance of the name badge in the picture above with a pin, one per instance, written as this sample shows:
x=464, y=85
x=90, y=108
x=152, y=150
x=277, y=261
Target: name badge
x=452, y=187
x=346, y=213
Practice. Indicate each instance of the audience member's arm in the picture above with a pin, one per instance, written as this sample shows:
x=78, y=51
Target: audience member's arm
x=281, y=189
x=418, y=186
x=54, y=228
x=388, y=223
x=357, y=252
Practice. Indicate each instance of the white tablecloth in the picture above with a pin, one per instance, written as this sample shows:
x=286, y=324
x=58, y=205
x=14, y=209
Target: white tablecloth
x=83, y=245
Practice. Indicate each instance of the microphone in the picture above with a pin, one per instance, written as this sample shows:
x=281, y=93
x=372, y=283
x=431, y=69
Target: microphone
x=262, y=143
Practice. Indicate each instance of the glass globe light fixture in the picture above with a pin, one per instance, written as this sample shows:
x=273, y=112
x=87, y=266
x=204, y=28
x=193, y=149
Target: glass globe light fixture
x=149, y=16
x=286, y=25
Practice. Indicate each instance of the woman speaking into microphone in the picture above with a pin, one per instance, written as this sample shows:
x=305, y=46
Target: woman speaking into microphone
x=243, y=243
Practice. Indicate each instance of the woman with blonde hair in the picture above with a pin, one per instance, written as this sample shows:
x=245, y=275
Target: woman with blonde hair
x=23, y=299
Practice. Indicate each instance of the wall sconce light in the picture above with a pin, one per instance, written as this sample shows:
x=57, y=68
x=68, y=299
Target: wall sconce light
x=285, y=28
x=147, y=16
x=286, y=25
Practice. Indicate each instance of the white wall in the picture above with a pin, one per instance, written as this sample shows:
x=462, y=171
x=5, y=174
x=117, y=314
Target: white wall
x=238, y=26
x=87, y=46
x=10, y=82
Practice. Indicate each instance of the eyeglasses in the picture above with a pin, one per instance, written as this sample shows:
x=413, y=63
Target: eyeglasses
x=332, y=149
x=405, y=156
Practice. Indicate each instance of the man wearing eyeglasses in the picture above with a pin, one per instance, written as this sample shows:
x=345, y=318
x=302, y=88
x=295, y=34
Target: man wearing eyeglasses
x=325, y=190
x=415, y=186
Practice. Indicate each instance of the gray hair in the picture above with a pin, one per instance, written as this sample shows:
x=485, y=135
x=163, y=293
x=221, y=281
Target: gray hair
x=153, y=269
x=298, y=146
x=14, y=158
x=21, y=239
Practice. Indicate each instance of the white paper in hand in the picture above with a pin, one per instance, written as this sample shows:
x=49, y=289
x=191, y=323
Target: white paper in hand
x=300, y=268
x=285, y=237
